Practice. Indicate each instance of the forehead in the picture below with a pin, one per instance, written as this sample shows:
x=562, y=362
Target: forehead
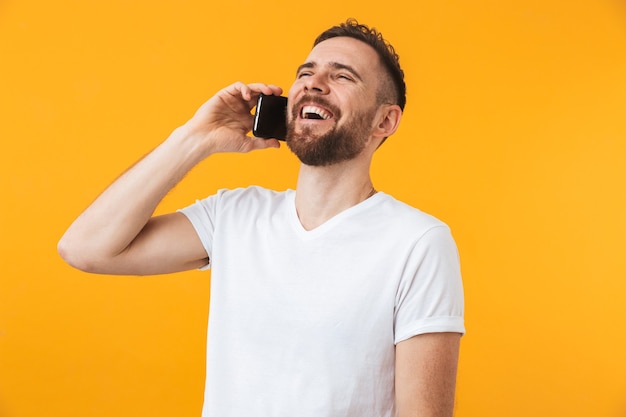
x=347, y=51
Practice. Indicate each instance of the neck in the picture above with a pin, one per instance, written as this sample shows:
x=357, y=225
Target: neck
x=323, y=192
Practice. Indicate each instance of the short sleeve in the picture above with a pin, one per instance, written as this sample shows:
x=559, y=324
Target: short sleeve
x=430, y=295
x=202, y=215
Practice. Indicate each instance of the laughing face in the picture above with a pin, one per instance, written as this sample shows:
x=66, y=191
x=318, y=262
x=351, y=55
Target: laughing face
x=332, y=103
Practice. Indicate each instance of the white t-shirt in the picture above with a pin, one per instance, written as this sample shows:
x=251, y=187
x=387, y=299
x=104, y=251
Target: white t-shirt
x=304, y=323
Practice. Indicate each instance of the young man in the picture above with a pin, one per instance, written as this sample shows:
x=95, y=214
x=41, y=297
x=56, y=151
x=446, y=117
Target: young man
x=330, y=300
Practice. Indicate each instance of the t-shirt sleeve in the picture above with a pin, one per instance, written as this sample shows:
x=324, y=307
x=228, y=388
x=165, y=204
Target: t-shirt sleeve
x=430, y=295
x=202, y=215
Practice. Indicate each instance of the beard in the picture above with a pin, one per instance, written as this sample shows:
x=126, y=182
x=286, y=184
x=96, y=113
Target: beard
x=340, y=143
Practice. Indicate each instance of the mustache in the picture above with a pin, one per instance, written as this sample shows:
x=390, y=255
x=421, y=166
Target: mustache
x=315, y=99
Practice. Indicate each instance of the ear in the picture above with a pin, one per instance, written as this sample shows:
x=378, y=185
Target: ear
x=388, y=120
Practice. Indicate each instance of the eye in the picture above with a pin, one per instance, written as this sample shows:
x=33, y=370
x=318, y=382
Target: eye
x=345, y=77
x=304, y=74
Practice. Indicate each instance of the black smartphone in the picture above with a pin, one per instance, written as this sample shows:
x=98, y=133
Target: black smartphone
x=270, y=117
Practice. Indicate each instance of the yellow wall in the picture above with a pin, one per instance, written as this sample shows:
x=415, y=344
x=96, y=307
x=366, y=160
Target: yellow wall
x=515, y=134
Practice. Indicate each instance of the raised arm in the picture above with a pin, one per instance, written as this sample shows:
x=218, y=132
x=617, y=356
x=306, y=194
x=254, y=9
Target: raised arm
x=117, y=234
x=426, y=367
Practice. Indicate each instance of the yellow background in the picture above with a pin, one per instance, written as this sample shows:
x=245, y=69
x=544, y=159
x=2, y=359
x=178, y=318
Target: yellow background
x=514, y=134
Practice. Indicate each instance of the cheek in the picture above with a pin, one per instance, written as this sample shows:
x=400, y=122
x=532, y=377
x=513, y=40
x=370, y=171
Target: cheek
x=291, y=100
x=293, y=90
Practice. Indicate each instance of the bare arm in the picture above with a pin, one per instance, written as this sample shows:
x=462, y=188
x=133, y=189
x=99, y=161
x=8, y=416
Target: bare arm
x=117, y=234
x=426, y=367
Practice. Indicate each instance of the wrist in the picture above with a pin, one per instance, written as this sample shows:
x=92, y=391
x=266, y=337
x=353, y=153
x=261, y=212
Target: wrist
x=189, y=144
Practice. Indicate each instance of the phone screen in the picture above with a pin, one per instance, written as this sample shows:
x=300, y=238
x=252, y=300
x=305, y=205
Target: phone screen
x=270, y=118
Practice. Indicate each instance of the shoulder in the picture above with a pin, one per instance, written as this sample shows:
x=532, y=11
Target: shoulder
x=402, y=216
x=239, y=199
x=253, y=195
x=249, y=202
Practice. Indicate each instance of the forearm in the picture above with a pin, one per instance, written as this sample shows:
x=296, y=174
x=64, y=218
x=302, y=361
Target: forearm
x=110, y=224
x=116, y=235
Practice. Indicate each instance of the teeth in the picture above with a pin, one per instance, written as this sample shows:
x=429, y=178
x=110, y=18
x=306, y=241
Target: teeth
x=310, y=110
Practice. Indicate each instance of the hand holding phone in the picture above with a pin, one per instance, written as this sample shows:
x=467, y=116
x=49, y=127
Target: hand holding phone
x=270, y=117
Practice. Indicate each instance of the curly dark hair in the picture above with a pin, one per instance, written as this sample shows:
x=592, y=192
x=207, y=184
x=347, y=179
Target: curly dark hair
x=388, y=56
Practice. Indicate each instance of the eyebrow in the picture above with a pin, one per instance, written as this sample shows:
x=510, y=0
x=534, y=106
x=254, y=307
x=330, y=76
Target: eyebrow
x=333, y=65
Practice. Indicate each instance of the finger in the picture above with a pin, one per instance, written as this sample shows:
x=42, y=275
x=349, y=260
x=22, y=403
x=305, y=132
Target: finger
x=248, y=123
x=259, y=143
x=269, y=89
x=252, y=91
x=238, y=91
x=272, y=143
x=247, y=91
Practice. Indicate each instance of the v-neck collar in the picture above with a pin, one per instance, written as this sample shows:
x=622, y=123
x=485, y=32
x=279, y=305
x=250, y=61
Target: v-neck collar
x=330, y=223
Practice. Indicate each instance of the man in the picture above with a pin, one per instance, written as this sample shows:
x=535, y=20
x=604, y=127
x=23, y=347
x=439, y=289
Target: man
x=331, y=300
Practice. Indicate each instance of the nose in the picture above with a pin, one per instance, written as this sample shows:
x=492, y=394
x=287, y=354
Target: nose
x=315, y=83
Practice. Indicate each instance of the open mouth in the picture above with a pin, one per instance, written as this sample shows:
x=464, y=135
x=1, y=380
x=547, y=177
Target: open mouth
x=314, y=113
